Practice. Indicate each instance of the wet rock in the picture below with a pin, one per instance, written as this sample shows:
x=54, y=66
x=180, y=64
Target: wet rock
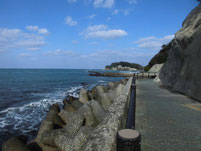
x=48, y=137
x=14, y=144
x=55, y=108
x=83, y=96
x=98, y=110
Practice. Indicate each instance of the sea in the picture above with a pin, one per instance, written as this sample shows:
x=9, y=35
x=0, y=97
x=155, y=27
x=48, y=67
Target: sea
x=27, y=94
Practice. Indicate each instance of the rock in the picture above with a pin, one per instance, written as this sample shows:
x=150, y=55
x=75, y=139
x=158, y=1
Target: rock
x=65, y=143
x=89, y=117
x=91, y=94
x=156, y=68
x=48, y=137
x=98, y=110
x=46, y=147
x=83, y=96
x=111, y=85
x=76, y=122
x=45, y=126
x=69, y=108
x=69, y=99
x=105, y=100
x=14, y=144
x=76, y=104
x=33, y=146
x=124, y=81
x=181, y=71
x=119, y=90
x=65, y=116
x=53, y=116
x=55, y=108
x=100, y=90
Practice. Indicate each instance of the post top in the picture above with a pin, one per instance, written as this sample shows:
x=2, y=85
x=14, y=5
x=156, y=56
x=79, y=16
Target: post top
x=128, y=133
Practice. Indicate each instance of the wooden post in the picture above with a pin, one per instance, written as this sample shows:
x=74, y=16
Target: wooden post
x=128, y=140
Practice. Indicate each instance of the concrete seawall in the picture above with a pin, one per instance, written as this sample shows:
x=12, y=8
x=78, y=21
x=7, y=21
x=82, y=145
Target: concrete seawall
x=104, y=135
x=87, y=123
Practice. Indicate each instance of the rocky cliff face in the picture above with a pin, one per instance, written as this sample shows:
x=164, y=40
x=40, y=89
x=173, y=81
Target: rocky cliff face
x=182, y=69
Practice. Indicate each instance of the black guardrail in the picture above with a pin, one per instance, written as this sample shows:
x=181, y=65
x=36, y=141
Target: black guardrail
x=129, y=139
x=130, y=124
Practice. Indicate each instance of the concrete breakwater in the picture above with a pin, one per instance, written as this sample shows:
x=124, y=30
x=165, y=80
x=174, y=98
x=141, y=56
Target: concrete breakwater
x=87, y=123
x=119, y=74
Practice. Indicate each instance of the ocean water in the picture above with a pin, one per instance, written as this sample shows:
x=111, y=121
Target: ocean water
x=27, y=94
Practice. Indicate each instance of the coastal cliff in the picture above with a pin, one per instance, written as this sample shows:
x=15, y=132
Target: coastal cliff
x=182, y=71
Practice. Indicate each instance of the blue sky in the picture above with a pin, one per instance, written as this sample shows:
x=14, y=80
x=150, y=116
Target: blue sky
x=86, y=34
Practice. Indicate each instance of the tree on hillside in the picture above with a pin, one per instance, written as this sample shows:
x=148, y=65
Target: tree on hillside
x=198, y=0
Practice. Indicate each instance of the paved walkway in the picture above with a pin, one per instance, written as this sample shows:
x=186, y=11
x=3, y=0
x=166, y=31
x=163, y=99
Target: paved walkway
x=167, y=121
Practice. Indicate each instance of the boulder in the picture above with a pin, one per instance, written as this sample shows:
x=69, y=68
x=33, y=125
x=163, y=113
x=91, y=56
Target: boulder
x=111, y=85
x=100, y=90
x=105, y=100
x=83, y=96
x=53, y=116
x=45, y=126
x=14, y=144
x=119, y=90
x=48, y=137
x=89, y=117
x=76, y=122
x=55, y=108
x=91, y=94
x=46, y=147
x=69, y=108
x=76, y=104
x=98, y=110
x=65, y=116
x=33, y=146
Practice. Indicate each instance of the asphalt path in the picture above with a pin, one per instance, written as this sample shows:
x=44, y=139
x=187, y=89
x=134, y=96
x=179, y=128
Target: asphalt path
x=167, y=121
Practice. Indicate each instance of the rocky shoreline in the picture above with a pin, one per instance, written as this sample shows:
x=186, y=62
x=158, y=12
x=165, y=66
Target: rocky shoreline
x=68, y=129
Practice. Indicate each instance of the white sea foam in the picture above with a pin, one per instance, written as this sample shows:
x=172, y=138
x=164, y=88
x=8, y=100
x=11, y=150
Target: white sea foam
x=101, y=81
x=27, y=117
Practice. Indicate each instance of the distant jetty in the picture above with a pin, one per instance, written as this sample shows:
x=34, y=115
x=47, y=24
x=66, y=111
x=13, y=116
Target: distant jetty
x=119, y=74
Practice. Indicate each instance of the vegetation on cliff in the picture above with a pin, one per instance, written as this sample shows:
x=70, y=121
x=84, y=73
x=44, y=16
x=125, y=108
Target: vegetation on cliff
x=124, y=65
x=160, y=57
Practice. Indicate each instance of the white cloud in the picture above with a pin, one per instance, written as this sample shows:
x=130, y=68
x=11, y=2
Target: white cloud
x=75, y=42
x=37, y=29
x=92, y=16
x=103, y=3
x=69, y=21
x=115, y=12
x=15, y=38
x=102, y=31
x=25, y=55
x=153, y=42
x=126, y=12
x=60, y=52
x=32, y=28
x=132, y=1
x=72, y=1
